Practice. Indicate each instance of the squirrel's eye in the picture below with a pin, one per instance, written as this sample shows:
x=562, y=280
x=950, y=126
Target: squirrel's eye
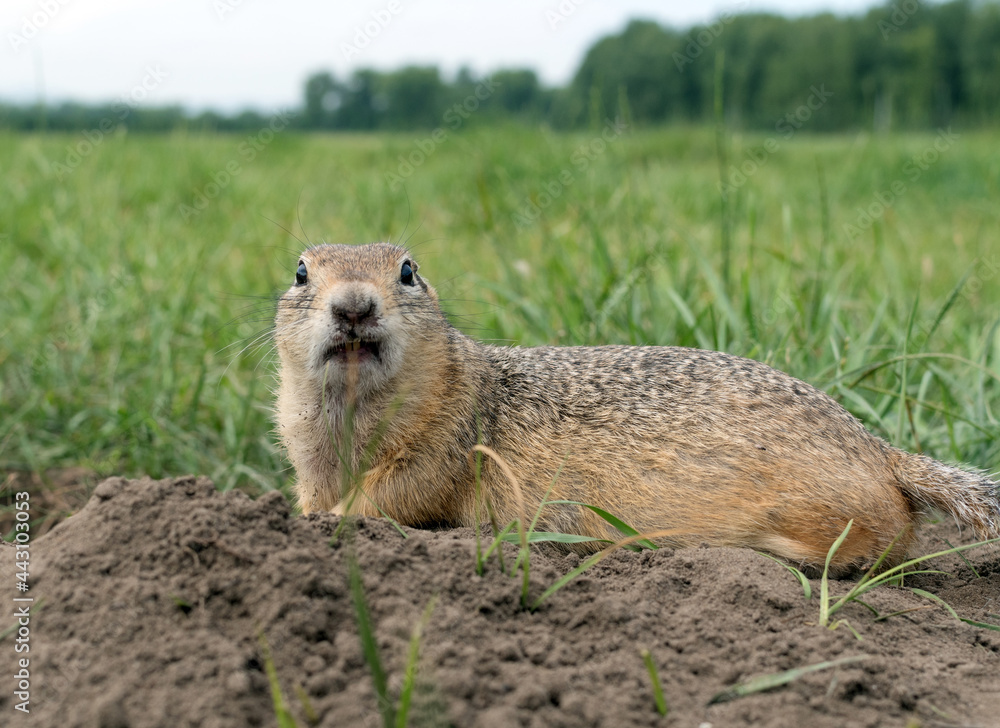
x=300, y=274
x=406, y=274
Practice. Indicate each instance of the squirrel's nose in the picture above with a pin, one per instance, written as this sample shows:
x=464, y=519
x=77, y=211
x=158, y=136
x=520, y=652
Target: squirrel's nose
x=354, y=312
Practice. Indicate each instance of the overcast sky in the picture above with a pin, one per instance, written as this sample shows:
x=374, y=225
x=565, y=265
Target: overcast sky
x=233, y=54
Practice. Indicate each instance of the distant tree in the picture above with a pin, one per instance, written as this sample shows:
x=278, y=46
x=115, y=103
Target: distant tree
x=321, y=102
x=980, y=56
x=413, y=98
x=952, y=25
x=641, y=63
x=361, y=104
x=207, y=121
x=517, y=93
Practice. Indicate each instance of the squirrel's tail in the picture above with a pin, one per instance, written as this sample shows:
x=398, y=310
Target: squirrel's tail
x=968, y=495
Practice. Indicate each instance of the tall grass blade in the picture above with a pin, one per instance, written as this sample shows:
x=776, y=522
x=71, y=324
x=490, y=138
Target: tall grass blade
x=936, y=598
x=867, y=581
x=866, y=371
x=949, y=302
x=951, y=611
x=547, y=537
x=654, y=678
x=522, y=528
x=769, y=682
x=369, y=646
x=824, y=584
x=480, y=561
x=904, y=376
x=599, y=556
x=501, y=538
x=618, y=523
x=884, y=617
x=312, y=717
x=806, y=586
x=410, y=677
x=545, y=498
x=983, y=625
x=967, y=562
x=282, y=714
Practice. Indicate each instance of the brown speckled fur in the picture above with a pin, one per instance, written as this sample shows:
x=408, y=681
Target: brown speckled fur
x=728, y=450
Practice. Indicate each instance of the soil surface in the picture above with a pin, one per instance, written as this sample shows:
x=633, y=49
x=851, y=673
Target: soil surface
x=155, y=593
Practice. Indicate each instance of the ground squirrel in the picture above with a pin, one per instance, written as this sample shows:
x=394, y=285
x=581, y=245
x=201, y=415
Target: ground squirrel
x=725, y=449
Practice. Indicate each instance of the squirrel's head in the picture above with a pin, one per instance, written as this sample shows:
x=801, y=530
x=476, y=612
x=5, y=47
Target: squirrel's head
x=352, y=313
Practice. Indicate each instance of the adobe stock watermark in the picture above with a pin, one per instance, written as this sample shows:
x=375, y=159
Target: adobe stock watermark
x=370, y=30
x=697, y=44
x=580, y=160
x=901, y=13
x=913, y=169
x=247, y=151
x=93, y=138
x=452, y=121
x=757, y=156
x=562, y=12
x=223, y=8
x=985, y=269
x=780, y=306
x=22, y=602
x=31, y=25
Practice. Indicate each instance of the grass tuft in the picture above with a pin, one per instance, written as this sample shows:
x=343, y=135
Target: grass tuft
x=874, y=578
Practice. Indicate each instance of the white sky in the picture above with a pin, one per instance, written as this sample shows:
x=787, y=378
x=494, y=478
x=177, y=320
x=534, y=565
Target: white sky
x=233, y=54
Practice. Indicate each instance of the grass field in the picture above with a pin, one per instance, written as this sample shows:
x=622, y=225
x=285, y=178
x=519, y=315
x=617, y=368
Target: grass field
x=134, y=323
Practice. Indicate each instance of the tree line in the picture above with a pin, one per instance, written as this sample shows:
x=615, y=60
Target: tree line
x=905, y=64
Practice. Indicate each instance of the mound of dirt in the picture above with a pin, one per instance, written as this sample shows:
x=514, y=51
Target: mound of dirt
x=156, y=591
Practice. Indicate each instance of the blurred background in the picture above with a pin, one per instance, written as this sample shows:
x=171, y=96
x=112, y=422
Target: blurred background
x=812, y=184
x=228, y=64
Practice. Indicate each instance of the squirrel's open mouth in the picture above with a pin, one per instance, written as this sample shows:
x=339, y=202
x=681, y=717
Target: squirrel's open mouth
x=351, y=350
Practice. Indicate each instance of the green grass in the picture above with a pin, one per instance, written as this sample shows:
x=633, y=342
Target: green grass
x=133, y=340
x=654, y=678
x=876, y=576
x=776, y=680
